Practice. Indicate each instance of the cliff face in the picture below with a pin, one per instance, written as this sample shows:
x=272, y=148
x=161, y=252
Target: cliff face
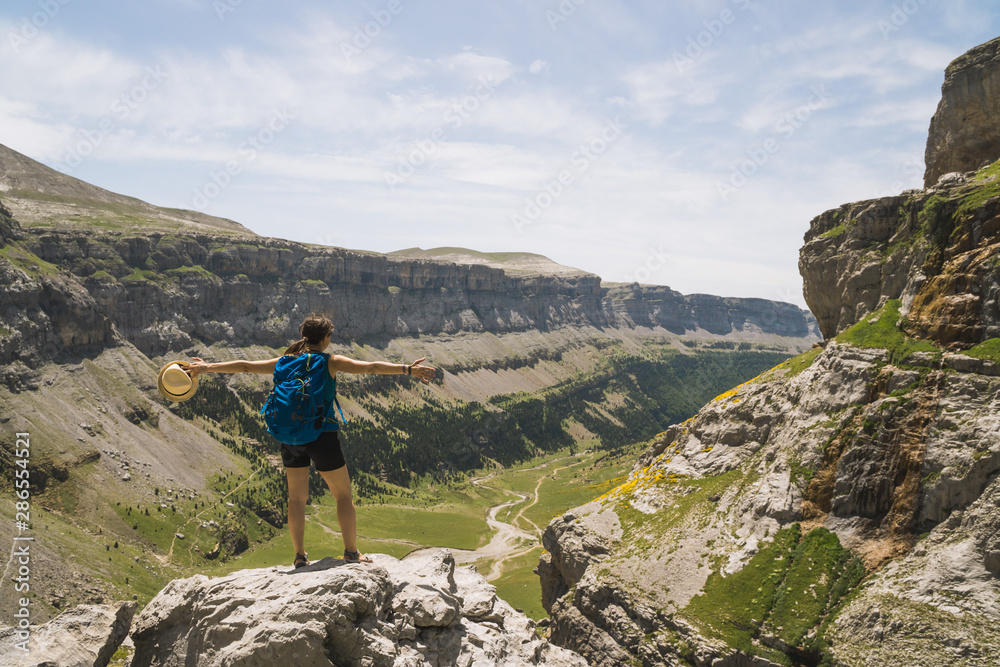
x=965, y=130
x=933, y=249
x=747, y=533
x=163, y=293
x=841, y=508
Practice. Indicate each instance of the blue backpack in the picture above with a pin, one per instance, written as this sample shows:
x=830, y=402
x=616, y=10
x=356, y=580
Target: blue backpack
x=295, y=411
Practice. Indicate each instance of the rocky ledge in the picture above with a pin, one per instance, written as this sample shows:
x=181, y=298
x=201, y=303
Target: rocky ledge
x=417, y=612
x=85, y=636
x=414, y=612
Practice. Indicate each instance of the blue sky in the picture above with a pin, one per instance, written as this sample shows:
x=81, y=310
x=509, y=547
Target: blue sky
x=684, y=143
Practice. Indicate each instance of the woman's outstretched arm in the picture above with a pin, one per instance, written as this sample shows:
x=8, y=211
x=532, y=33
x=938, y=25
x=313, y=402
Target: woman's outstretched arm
x=348, y=365
x=199, y=366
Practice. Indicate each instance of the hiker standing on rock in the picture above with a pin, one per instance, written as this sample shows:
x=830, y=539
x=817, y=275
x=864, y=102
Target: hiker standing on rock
x=299, y=413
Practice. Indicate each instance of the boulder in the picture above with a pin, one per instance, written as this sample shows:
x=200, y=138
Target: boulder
x=414, y=612
x=85, y=636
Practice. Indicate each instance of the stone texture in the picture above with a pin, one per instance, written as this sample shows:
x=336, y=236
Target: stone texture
x=415, y=612
x=965, y=129
x=857, y=257
x=882, y=470
x=85, y=636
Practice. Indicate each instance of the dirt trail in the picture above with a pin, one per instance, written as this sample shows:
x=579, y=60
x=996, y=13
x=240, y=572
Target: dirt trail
x=496, y=571
x=509, y=541
x=166, y=559
x=520, y=515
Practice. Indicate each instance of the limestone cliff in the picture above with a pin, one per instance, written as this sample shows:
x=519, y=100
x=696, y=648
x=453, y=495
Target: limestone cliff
x=841, y=508
x=91, y=270
x=965, y=130
x=933, y=249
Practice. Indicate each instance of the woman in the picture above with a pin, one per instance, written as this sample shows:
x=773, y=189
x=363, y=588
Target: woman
x=325, y=451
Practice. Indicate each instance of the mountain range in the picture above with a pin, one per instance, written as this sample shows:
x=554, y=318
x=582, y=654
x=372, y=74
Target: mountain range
x=98, y=290
x=835, y=507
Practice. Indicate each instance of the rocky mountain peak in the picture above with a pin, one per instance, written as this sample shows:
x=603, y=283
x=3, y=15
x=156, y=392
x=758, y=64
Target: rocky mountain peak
x=965, y=130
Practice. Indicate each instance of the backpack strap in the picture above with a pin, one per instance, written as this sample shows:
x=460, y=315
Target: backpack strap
x=343, y=419
x=339, y=409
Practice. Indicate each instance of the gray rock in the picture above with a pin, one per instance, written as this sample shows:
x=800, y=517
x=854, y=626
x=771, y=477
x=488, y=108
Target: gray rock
x=923, y=461
x=85, y=636
x=414, y=612
x=965, y=131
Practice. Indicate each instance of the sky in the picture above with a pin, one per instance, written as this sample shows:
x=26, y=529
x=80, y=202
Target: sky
x=684, y=143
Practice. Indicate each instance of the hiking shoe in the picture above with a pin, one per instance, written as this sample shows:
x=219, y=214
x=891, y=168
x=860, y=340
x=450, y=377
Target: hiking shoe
x=301, y=560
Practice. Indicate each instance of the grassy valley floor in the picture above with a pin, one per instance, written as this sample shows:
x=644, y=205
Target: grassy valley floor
x=453, y=516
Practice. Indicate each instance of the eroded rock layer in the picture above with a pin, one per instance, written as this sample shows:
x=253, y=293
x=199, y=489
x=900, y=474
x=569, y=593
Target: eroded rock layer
x=965, y=130
x=842, y=508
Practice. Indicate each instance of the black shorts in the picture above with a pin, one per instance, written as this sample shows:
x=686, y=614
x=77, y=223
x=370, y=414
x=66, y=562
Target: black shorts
x=324, y=451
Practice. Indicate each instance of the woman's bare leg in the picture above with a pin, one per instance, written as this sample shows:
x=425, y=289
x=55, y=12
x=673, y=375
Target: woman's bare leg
x=298, y=496
x=340, y=486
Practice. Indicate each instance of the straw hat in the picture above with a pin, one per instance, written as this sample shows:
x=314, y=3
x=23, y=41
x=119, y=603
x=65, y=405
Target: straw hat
x=175, y=384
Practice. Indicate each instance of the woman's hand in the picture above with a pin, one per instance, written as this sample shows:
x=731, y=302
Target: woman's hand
x=196, y=367
x=424, y=373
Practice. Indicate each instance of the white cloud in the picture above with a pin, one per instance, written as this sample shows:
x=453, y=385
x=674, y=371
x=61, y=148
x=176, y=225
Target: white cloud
x=357, y=117
x=473, y=66
x=658, y=88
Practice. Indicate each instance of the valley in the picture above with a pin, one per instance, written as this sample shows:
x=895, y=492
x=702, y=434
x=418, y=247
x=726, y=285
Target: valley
x=539, y=365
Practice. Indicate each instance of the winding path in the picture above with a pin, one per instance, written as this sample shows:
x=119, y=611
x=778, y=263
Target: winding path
x=509, y=541
x=166, y=559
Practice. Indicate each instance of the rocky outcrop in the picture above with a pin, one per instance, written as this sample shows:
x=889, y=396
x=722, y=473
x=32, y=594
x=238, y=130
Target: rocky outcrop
x=965, y=129
x=44, y=315
x=840, y=509
x=853, y=453
x=932, y=249
x=85, y=636
x=943, y=593
x=418, y=611
x=9, y=229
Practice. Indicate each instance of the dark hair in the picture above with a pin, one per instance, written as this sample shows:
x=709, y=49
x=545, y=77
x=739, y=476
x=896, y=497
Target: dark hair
x=313, y=330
